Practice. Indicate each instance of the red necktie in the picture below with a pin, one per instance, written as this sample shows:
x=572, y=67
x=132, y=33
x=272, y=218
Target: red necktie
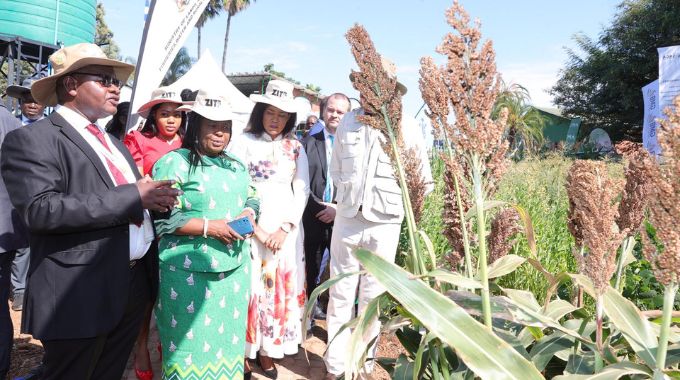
x=118, y=176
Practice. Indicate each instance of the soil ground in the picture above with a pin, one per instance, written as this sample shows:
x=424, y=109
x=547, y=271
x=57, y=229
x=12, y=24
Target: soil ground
x=27, y=352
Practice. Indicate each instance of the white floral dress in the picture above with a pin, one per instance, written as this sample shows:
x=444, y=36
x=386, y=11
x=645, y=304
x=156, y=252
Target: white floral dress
x=280, y=173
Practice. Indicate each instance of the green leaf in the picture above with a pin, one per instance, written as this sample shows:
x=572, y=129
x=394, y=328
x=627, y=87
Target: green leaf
x=488, y=205
x=523, y=298
x=429, y=247
x=361, y=339
x=504, y=265
x=528, y=228
x=421, y=356
x=548, y=347
x=634, y=327
x=403, y=369
x=526, y=312
x=315, y=294
x=558, y=309
x=409, y=339
x=582, y=363
x=482, y=351
x=453, y=278
x=611, y=372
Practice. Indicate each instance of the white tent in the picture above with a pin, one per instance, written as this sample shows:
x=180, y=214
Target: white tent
x=205, y=73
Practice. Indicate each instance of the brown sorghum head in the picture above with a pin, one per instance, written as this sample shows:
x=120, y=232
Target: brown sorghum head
x=592, y=220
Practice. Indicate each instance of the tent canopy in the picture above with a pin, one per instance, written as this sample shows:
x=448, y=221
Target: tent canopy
x=205, y=73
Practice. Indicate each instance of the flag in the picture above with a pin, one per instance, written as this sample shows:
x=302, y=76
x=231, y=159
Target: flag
x=168, y=24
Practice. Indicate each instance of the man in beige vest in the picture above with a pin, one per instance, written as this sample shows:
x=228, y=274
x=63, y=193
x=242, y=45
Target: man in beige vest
x=369, y=215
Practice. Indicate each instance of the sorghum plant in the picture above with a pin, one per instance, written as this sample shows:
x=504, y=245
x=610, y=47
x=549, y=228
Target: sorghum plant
x=468, y=84
x=664, y=213
x=381, y=101
x=592, y=221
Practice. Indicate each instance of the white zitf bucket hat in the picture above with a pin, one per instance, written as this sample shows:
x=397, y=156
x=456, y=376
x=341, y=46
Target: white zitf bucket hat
x=279, y=94
x=210, y=104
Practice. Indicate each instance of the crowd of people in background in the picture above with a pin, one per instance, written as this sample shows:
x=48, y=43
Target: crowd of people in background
x=221, y=237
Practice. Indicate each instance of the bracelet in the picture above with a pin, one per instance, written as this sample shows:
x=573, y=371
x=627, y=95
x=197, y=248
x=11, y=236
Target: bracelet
x=205, y=227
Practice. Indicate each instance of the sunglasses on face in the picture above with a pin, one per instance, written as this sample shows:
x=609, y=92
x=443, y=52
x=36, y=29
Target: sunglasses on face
x=104, y=79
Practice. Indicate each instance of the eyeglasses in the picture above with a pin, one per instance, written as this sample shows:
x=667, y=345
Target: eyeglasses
x=104, y=79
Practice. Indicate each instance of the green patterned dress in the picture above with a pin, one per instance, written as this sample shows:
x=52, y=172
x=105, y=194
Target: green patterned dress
x=204, y=284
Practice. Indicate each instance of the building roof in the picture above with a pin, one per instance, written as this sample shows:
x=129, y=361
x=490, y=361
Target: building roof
x=256, y=82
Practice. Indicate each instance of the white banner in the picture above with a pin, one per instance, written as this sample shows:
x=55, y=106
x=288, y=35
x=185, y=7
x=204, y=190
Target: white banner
x=669, y=76
x=168, y=25
x=650, y=95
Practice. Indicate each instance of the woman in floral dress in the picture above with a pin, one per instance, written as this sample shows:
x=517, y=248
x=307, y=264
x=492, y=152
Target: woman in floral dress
x=278, y=167
x=204, y=264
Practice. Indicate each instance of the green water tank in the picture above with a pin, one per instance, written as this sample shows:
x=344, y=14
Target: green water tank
x=49, y=21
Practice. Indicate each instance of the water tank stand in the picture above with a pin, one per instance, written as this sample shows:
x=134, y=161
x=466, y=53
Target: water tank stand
x=16, y=50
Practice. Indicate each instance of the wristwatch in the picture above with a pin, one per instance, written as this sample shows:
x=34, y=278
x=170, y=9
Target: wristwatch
x=285, y=227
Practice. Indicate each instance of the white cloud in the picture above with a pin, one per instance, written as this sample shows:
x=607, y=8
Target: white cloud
x=537, y=77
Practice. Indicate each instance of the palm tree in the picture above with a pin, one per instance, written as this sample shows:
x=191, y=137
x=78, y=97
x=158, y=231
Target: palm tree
x=179, y=66
x=524, y=128
x=232, y=7
x=212, y=9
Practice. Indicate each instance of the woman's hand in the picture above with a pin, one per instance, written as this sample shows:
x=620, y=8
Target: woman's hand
x=261, y=235
x=220, y=230
x=276, y=240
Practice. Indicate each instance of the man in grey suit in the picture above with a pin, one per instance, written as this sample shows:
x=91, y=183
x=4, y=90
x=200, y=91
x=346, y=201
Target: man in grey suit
x=12, y=237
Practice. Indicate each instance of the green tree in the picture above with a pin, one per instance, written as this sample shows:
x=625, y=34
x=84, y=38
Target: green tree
x=104, y=36
x=269, y=68
x=524, y=128
x=232, y=7
x=212, y=9
x=602, y=84
x=179, y=66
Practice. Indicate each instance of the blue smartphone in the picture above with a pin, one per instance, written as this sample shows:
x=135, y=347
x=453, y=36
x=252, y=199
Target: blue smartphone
x=242, y=226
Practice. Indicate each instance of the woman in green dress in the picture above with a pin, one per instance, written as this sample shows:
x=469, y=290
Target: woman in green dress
x=204, y=264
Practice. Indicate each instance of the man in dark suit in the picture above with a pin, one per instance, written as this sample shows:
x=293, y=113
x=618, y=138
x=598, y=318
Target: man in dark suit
x=320, y=211
x=31, y=112
x=93, y=257
x=12, y=237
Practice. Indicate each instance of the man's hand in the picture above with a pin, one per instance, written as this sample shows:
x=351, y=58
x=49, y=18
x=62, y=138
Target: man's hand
x=327, y=215
x=157, y=195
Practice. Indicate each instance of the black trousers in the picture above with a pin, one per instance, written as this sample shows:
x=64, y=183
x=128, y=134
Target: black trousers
x=102, y=357
x=317, y=240
x=6, y=327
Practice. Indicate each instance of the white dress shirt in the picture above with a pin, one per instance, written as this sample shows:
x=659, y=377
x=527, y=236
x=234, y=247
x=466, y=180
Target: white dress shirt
x=140, y=236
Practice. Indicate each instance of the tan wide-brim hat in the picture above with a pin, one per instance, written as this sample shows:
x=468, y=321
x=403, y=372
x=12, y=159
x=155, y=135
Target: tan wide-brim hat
x=211, y=104
x=68, y=60
x=279, y=94
x=159, y=96
x=391, y=70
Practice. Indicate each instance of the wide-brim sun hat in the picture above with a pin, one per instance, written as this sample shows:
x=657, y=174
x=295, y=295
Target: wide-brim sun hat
x=391, y=70
x=68, y=60
x=161, y=95
x=211, y=104
x=23, y=91
x=279, y=94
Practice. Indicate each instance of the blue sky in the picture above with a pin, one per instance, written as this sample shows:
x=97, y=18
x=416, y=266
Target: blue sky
x=305, y=38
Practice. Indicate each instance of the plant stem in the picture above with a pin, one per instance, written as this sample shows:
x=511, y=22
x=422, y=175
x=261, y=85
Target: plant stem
x=481, y=235
x=668, y=300
x=626, y=249
x=418, y=264
x=599, y=317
